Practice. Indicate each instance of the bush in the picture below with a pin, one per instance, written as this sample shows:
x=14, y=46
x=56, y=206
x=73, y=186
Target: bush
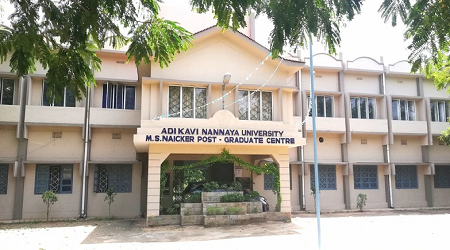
x=235, y=210
x=210, y=186
x=193, y=198
x=49, y=198
x=214, y=211
x=361, y=201
x=235, y=186
x=232, y=198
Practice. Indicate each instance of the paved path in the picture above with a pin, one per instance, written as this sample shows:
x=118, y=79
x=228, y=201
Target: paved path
x=389, y=230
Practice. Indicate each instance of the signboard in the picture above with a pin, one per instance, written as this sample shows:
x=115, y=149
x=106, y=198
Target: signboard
x=217, y=135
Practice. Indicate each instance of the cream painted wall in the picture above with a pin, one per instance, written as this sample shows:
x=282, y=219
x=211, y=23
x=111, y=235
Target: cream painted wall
x=429, y=90
x=258, y=185
x=362, y=83
x=104, y=148
x=125, y=205
x=209, y=56
x=330, y=200
x=410, y=197
x=328, y=151
x=7, y=200
x=439, y=153
x=42, y=147
x=115, y=66
x=295, y=188
x=9, y=144
x=376, y=198
x=323, y=81
x=440, y=196
x=410, y=153
x=68, y=205
x=401, y=86
x=370, y=152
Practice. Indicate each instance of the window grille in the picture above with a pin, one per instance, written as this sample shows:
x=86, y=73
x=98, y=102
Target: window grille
x=7, y=91
x=327, y=177
x=3, y=178
x=406, y=177
x=365, y=177
x=268, y=181
x=115, y=177
x=442, y=176
x=187, y=102
x=57, y=178
x=255, y=105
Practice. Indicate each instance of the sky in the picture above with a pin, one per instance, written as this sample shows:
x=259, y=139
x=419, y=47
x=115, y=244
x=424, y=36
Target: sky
x=365, y=35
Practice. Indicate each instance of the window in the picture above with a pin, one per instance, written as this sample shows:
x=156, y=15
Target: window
x=187, y=102
x=363, y=107
x=6, y=91
x=324, y=106
x=118, y=96
x=365, y=177
x=67, y=98
x=268, y=181
x=442, y=176
x=403, y=110
x=115, y=177
x=57, y=178
x=255, y=105
x=406, y=177
x=439, y=111
x=327, y=177
x=3, y=178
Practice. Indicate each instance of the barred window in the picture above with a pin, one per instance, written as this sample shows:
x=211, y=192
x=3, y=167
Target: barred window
x=187, y=102
x=115, y=177
x=67, y=98
x=118, y=96
x=442, y=176
x=327, y=177
x=406, y=177
x=255, y=105
x=3, y=178
x=365, y=177
x=268, y=181
x=57, y=178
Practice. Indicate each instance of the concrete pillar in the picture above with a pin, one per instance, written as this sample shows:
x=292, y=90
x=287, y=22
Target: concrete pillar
x=153, y=182
x=283, y=165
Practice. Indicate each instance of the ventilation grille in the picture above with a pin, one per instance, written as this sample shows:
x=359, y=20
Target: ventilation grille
x=116, y=136
x=403, y=142
x=318, y=76
x=56, y=134
x=364, y=141
x=359, y=78
x=120, y=62
x=399, y=81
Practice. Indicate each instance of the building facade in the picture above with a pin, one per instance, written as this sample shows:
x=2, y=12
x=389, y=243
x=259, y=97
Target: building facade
x=377, y=131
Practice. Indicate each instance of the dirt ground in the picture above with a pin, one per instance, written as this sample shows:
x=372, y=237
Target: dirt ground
x=133, y=233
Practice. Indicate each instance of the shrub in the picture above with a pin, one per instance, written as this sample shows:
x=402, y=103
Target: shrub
x=173, y=209
x=232, y=198
x=110, y=194
x=214, y=211
x=361, y=201
x=254, y=194
x=235, y=210
x=49, y=198
x=210, y=186
x=235, y=186
x=193, y=198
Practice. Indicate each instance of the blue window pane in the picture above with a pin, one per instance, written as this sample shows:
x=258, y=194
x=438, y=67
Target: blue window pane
x=442, y=176
x=327, y=177
x=3, y=178
x=406, y=177
x=105, y=96
x=130, y=93
x=365, y=177
x=7, y=92
x=119, y=97
x=268, y=181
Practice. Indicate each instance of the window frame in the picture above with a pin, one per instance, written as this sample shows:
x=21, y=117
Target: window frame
x=367, y=107
x=64, y=98
x=360, y=180
x=112, y=101
x=2, y=92
x=269, y=181
x=324, y=106
x=324, y=168
x=181, y=112
x=437, y=116
x=401, y=179
x=47, y=181
x=441, y=176
x=407, y=109
x=260, y=105
x=122, y=179
x=4, y=171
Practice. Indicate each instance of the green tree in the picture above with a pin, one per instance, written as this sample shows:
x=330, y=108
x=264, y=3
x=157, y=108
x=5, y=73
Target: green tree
x=64, y=35
x=428, y=28
x=110, y=194
x=49, y=198
x=293, y=21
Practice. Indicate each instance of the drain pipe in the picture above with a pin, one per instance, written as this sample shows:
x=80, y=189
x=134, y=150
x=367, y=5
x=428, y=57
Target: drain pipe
x=87, y=111
x=388, y=152
x=303, y=177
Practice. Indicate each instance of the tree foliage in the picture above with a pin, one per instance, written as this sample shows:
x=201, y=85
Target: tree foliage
x=294, y=21
x=64, y=36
